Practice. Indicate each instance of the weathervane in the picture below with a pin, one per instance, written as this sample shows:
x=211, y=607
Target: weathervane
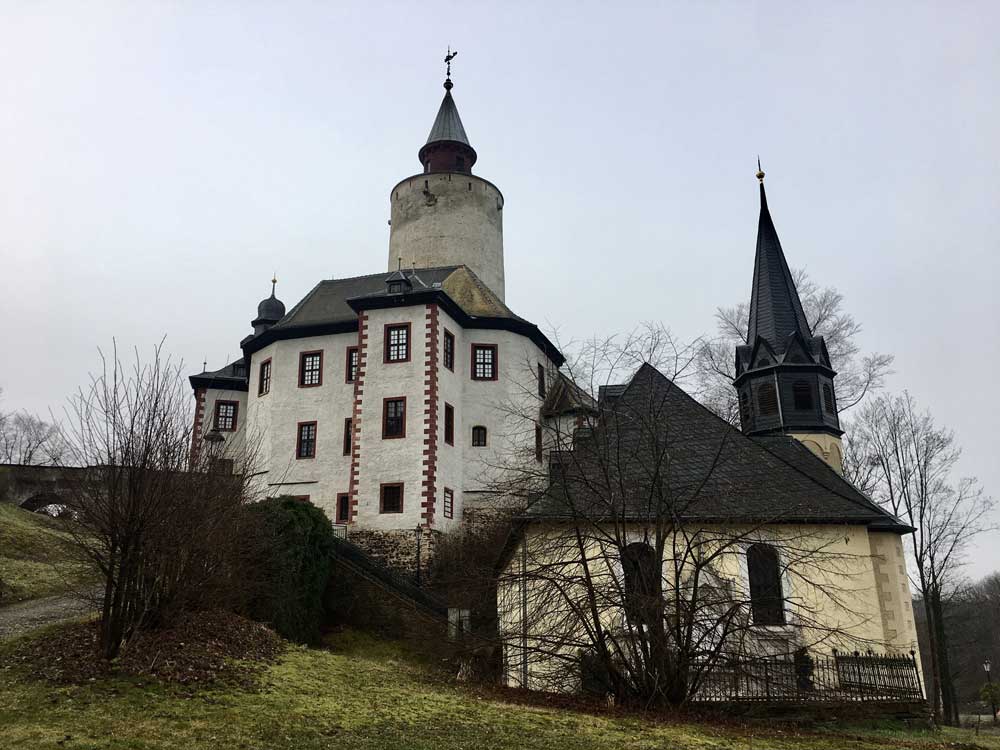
x=448, y=58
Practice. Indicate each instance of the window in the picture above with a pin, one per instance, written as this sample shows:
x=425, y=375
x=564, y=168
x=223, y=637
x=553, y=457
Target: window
x=225, y=415
x=348, y=424
x=449, y=424
x=305, y=444
x=264, y=378
x=397, y=343
x=828, y=406
x=239, y=369
x=484, y=361
x=745, y=408
x=541, y=381
x=394, y=417
x=767, y=399
x=459, y=622
x=310, y=369
x=767, y=602
x=343, y=507
x=802, y=395
x=391, y=498
x=478, y=436
x=395, y=287
x=449, y=503
x=351, y=369
x=538, y=443
x=449, y=350
x=642, y=584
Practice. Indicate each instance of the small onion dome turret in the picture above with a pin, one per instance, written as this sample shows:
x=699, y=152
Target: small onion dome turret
x=269, y=311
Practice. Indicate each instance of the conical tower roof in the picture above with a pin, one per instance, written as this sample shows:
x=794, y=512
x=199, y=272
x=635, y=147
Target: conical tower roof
x=775, y=308
x=448, y=125
x=447, y=148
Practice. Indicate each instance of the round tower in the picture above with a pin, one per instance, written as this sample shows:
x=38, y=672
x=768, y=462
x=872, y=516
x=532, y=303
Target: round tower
x=448, y=216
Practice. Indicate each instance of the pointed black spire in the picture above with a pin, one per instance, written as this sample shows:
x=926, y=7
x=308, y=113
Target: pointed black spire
x=783, y=373
x=775, y=308
x=448, y=148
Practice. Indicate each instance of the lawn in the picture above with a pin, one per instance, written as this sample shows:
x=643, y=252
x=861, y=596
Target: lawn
x=34, y=558
x=362, y=693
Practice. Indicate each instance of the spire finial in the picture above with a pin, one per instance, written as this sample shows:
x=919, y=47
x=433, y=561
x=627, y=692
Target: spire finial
x=760, y=172
x=447, y=60
x=274, y=282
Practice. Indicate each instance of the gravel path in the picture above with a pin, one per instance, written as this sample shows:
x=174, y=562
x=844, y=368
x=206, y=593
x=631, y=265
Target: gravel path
x=19, y=618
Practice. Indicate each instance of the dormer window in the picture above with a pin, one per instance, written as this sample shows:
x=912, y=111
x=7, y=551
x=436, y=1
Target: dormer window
x=396, y=287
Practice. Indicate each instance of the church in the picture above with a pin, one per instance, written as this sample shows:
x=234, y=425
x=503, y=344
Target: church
x=388, y=400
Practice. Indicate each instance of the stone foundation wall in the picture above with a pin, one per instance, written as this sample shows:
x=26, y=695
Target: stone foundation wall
x=398, y=549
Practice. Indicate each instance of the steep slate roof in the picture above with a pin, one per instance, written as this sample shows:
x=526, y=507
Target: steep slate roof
x=232, y=377
x=448, y=125
x=775, y=308
x=709, y=471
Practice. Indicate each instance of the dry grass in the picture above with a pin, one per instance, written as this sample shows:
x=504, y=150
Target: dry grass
x=35, y=556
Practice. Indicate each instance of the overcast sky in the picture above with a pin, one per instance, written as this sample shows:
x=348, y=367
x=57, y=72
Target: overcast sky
x=158, y=161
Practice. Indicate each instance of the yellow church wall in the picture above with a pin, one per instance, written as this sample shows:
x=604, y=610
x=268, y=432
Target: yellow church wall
x=825, y=446
x=846, y=589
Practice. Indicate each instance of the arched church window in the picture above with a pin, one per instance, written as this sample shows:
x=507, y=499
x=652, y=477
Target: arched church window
x=767, y=399
x=641, y=572
x=767, y=602
x=478, y=436
x=828, y=399
x=802, y=395
x=745, y=407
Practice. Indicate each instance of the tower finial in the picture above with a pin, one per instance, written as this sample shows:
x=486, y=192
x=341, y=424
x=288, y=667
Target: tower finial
x=447, y=60
x=760, y=172
x=274, y=282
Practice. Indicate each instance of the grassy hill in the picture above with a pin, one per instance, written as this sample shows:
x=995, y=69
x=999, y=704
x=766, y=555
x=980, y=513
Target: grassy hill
x=366, y=694
x=34, y=557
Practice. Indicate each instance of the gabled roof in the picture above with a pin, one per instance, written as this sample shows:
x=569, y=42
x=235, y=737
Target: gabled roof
x=775, y=308
x=707, y=470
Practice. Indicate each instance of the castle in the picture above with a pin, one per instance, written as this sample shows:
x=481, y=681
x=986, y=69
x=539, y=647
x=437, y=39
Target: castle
x=390, y=400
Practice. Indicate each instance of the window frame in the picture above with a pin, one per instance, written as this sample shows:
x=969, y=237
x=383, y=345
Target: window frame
x=829, y=406
x=381, y=497
x=448, y=503
x=769, y=608
x=385, y=402
x=541, y=381
x=801, y=391
x=448, y=354
x=772, y=392
x=302, y=368
x=347, y=517
x=348, y=435
x=407, y=326
x=449, y=423
x=298, y=440
x=486, y=436
x=347, y=364
x=539, y=447
x=496, y=361
x=215, y=414
x=261, y=389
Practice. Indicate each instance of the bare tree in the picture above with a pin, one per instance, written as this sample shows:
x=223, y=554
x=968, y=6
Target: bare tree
x=908, y=463
x=858, y=376
x=161, y=527
x=647, y=559
x=25, y=439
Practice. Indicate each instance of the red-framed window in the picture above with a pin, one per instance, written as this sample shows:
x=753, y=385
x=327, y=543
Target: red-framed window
x=449, y=424
x=397, y=342
x=390, y=498
x=449, y=503
x=394, y=417
x=311, y=369
x=348, y=435
x=351, y=366
x=478, y=436
x=226, y=413
x=448, y=350
x=264, y=377
x=343, y=507
x=305, y=440
x=484, y=361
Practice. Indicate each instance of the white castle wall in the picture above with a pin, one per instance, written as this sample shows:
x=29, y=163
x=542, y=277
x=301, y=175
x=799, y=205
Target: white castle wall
x=446, y=219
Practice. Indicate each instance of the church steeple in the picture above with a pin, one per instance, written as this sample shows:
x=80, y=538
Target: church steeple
x=447, y=148
x=784, y=378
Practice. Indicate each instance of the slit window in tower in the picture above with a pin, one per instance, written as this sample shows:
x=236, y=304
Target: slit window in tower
x=449, y=350
x=264, y=378
x=449, y=424
x=802, y=395
x=767, y=400
x=538, y=443
x=541, y=380
x=828, y=399
x=484, y=361
x=449, y=503
x=397, y=343
x=351, y=373
x=348, y=430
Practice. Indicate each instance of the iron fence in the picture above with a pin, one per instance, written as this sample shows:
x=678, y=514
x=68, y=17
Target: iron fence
x=806, y=677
